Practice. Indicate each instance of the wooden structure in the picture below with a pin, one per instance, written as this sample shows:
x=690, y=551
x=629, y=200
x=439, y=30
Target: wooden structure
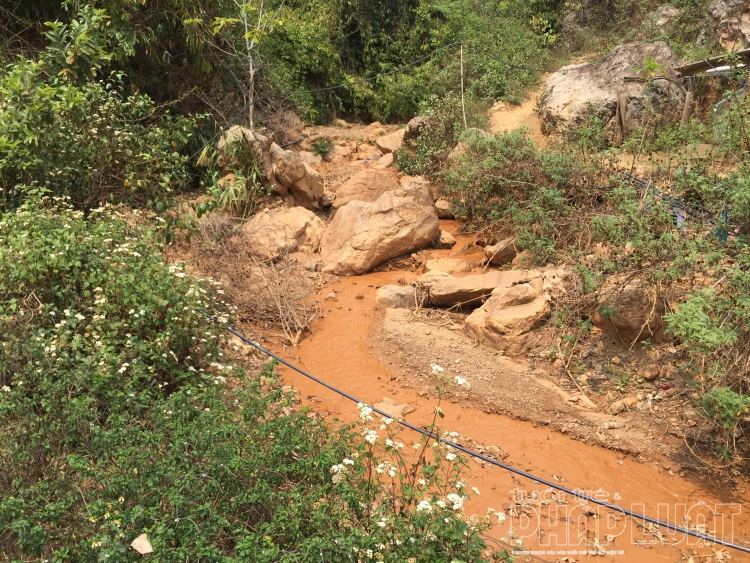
x=692, y=69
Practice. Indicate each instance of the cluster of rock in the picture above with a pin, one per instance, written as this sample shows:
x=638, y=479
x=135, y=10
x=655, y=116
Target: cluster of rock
x=508, y=306
x=373, y=217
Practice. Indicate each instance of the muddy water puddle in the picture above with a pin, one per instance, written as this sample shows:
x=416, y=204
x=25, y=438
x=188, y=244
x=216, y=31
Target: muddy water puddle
x=550, y=526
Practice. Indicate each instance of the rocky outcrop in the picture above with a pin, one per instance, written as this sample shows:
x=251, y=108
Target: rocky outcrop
x=296, y=178
x=429, y=278
x=474, y=290
x=508, y=318
x=391, y=142
x=502, y=252
x=338, y=153
x=574, y=92
x=272, y=234
x=664, y=15
x=367, y=185
x=364, y=234
x=632, y=313
x=311, y=158
x=727, y=24
x=396, y=297
x=383, y=162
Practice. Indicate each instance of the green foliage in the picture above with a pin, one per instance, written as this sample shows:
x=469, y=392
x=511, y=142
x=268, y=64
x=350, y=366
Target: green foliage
x=443, y=129
x=725, y=406
x=713, y=326
x=622, y=381
x=78, y=50
x=243, y=188
x=117, y=420
x=322, y=146
x=91, y=141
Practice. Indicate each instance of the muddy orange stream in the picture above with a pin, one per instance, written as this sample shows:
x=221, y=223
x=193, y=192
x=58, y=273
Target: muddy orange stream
x=337, y=352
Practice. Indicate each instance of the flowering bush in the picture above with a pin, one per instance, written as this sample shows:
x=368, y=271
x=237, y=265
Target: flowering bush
x=116, y=420
x=410, y=500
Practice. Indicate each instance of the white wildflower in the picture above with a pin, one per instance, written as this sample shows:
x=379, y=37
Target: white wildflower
x=456, y=500
x=424, y=506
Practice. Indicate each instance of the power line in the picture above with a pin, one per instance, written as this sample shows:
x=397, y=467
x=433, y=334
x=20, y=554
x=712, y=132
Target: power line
x=318, y=90
x=395, y=71
x=491, y=461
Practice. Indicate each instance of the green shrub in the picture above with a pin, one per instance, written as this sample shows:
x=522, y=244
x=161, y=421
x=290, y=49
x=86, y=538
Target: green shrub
x=65, y=134
x=117, y=420
x=725, y=406
x=322, y=146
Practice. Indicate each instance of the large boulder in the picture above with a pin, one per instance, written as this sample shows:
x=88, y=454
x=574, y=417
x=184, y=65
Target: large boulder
x=308, y=191
x=288, y=167
x=338, y=153
x=296, y=178
x=396, y=297
x=272, y=234
x=633, y=312
x=311, y=158
x=474, y=290
x=418, y=181
x=577, y=91
x=367, y=185
x=727, y=24
x=391, y=142
x=508, y=317
x=365, y=234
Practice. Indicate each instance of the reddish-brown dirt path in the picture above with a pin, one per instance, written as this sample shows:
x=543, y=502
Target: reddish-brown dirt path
x=341, y=351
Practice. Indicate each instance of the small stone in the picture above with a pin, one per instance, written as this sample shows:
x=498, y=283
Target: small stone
x=650, y=372
x=392, y=408
x=496, y=452
x=443, y=207
x=331, y=296
x=446, y=240
x=616, y=361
